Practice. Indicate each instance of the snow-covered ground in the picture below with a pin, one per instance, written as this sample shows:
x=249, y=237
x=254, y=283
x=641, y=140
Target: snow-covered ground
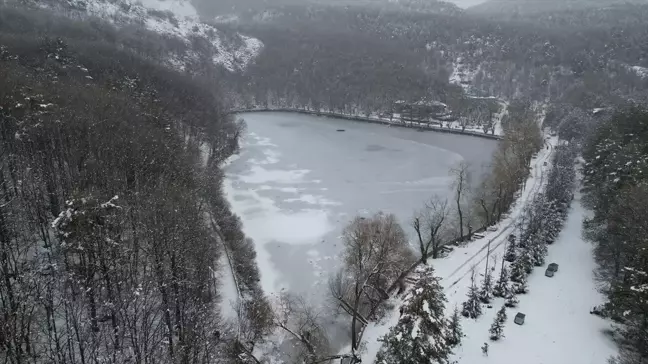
x=455, y=270
x=227, y=288
x=181, y=21
x=558, y=326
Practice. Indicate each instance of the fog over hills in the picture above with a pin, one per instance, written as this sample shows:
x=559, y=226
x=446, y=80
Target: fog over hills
x=522, y=7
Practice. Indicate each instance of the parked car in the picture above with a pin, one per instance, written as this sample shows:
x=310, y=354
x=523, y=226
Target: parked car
x=553, y=267
x=549, y=273
x=519, y=318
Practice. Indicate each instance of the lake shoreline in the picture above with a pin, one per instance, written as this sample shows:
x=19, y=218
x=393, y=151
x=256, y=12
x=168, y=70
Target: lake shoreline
x=421, y=127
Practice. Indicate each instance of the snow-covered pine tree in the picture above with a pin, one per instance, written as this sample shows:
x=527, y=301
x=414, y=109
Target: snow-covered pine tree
x=472, y=307
x=497, y=328
x=527, y=261
x=420, y=335
x=511, y=255
x=502, y=288
x=511, y=300
x=520, y=287
x=455, y=333
x=486, y=291
x=539, y=253
x=518, y=273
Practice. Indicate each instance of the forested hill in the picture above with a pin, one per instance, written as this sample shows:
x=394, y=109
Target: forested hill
x=183, y=42
x=112, y=221
x=209, y=8
x=358, y=58
x=616, y=186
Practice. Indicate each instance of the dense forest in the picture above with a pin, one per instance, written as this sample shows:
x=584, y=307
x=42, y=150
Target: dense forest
x=112, y=222
x=615, y=180
x=584, y=57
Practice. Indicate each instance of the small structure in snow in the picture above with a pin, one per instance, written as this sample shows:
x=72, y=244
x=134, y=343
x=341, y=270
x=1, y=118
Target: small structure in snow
x=519, y=318
x=340, y=130
x=553, y=267
x=511, y=238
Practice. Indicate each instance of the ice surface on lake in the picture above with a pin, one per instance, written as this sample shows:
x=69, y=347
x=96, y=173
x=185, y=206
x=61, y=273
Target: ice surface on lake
x=298, y=182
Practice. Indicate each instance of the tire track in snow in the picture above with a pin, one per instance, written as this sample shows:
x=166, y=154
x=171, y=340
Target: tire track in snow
x=537, y=186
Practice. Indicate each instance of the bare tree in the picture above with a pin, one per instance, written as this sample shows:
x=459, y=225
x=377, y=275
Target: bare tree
x=460, y=185
x=302, y=323
x=376, y=253
x=431, y=227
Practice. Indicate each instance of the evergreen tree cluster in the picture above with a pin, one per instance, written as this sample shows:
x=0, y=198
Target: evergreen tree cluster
x=616, y=189
x=540, y=224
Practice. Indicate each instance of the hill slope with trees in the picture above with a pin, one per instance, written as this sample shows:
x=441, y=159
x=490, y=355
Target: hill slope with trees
x=109, y=177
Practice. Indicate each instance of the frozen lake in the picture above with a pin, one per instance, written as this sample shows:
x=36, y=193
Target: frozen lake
x=298, y=182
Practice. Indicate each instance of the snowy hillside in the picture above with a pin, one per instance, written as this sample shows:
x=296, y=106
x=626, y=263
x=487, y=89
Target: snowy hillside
x=173, y=18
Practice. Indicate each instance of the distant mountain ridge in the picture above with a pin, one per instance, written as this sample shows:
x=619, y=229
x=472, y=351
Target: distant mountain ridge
x=507, y=8
x=170, y=18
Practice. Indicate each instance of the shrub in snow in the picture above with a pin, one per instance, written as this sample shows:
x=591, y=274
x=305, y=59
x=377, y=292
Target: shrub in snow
x=455, y=333
x=472, y=307
x=502, y=288
x=497, y=328
x=421, y=333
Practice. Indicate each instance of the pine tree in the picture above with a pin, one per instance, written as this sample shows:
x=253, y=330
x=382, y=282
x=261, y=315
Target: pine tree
x=455, y=333
x=421, y=333
x=486, y=291
x=502, y=286
x=538, y=253
x=511, y=300
x=520, y=287
x=511, y=255
x=497, y=328
x=518, y=273
x=527, y=261
x=472, y=307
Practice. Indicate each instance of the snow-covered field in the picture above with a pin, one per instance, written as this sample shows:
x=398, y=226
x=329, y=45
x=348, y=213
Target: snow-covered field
x=298, y=182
